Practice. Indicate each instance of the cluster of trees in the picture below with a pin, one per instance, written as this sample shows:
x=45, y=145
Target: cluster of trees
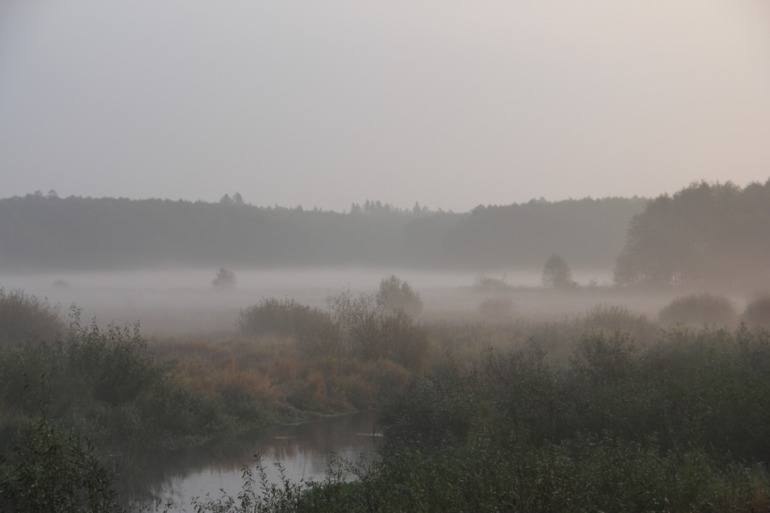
x=706, y=234
x=46, y=233
x=367, y=326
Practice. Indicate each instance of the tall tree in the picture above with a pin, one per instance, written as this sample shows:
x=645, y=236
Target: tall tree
x=705, y=234
x=557, y=274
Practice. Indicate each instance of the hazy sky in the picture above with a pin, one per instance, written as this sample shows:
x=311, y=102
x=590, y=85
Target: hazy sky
x=324, y=103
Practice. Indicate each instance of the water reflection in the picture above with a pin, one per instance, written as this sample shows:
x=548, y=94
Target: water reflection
x=303, y=450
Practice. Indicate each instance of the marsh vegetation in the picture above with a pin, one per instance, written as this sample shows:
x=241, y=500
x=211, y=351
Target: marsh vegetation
x=488, y=410
x=649, y=394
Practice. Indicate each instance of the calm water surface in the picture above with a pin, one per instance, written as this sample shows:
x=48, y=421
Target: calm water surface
x=303, y=450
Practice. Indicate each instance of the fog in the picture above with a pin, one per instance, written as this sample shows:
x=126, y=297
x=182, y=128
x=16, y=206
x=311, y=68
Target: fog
x=183, y=302
x=452, y=104
x=529, y=237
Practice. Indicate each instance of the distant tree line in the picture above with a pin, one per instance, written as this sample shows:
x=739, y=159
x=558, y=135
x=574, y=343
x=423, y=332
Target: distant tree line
x=47, y=232
x=704, y=235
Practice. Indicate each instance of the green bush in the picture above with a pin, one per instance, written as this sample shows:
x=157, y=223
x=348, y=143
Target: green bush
x=314, y=330
x=49, y=471
x=699, y=310
x=105, y=384
x=614, y=320
x=395, y=295
x=24, y=318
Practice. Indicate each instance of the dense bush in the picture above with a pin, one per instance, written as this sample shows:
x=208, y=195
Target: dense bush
x=699, y=310
x=24, y=318
x=618, y=320
x=106, y=384
x=49, y=471
x=372, y=333
x=758, y=312
x=395, y=295
x=313, y=329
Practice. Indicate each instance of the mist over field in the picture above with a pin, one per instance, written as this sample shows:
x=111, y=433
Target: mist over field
x=435, y=256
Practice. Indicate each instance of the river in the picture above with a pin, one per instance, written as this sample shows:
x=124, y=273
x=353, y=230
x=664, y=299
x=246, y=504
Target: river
x=303, y=450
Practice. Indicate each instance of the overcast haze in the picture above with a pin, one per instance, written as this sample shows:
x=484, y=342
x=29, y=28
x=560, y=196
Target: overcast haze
x=448, y=103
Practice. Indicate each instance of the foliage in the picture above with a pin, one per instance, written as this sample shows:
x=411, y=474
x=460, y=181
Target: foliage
x=314, y=330
x=107, y=385
x=395, y=295
x=677, y=427
x=758, y=312
x=699, y=309
x=39, y=233
x=619, y=321
x=372, y=333
x=49, y=471
x=24, y=318
x=225, y=279
x=280, y=376
x=557, y=274
x=705, y=234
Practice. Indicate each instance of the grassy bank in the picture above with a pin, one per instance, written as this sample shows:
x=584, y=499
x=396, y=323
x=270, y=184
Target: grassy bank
x=603, y=411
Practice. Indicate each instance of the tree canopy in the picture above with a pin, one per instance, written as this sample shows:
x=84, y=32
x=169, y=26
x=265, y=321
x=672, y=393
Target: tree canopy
x=705, y=234
x=557, y=274
x=51, y=233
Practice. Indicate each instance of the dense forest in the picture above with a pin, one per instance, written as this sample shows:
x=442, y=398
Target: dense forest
x=715, y=235
x=45, y=232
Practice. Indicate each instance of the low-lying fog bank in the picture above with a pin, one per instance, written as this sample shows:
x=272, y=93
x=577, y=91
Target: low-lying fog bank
x=184, y=301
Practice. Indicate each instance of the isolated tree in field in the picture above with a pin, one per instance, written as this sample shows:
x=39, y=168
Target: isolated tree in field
x=557, y=274
x=396, y=295
x=225, y=279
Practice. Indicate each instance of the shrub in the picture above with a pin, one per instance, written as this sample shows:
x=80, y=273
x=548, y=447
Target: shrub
x=48, y=471
x=373, y=333
x=757, y=312
x=314, y=331
x=699, y=309
x=395, y=295
x=225, y=279
x=24, y=318
x=613, y=320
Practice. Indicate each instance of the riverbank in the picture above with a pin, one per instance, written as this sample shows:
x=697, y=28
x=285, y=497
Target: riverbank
x=487, y=382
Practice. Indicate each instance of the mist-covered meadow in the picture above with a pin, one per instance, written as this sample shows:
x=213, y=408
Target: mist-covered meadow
x=342, y=256
x=529, y=390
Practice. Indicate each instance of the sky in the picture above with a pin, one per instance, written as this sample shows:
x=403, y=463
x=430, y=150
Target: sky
x=447, y=103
